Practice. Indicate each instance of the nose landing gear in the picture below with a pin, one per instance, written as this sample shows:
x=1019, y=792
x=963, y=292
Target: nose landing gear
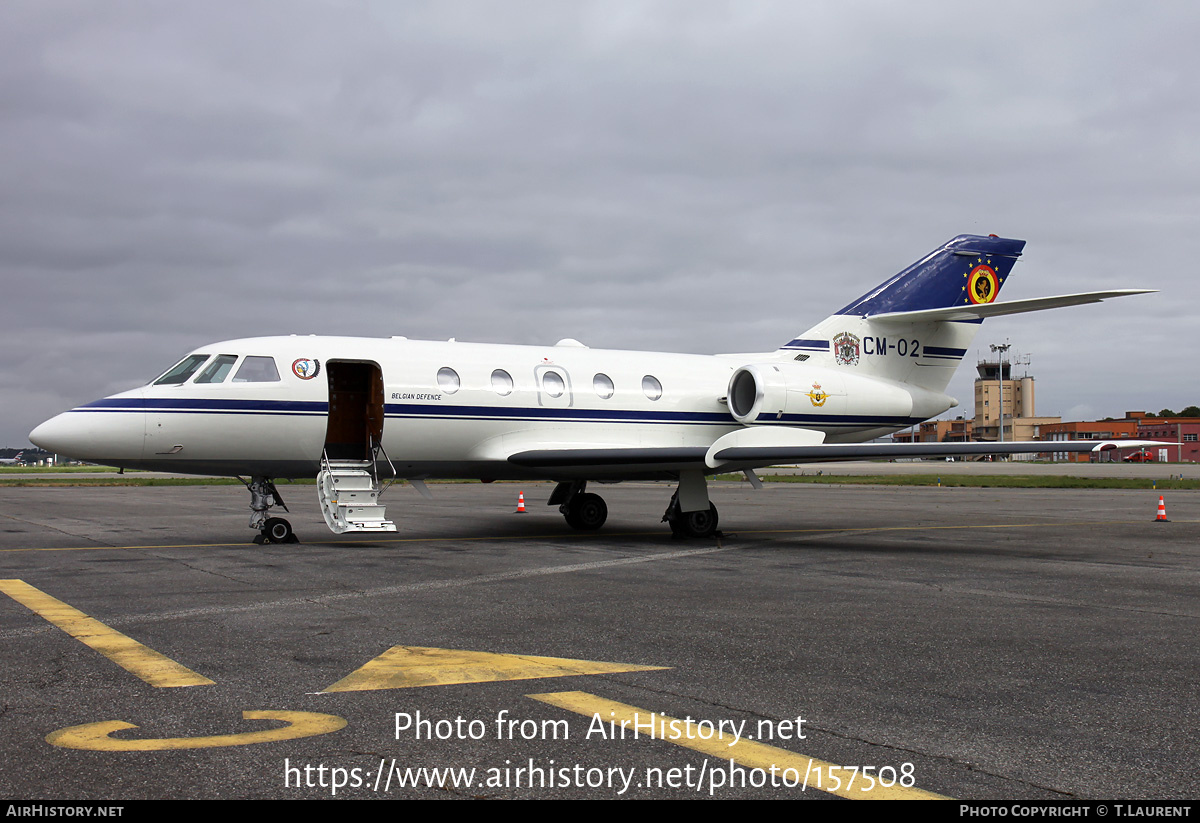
x=264, y=495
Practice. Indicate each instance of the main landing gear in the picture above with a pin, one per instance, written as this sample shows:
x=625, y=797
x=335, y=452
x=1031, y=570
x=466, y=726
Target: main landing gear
x=264, y=495
x=690, y=514
x=583, y=510
x=702, y=523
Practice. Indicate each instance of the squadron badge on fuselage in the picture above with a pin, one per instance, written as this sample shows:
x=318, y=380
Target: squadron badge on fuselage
x=817, y=396
x=306, y=368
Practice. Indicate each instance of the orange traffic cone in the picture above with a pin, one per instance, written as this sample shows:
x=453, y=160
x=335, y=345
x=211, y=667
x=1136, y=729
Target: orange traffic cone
x=520, y=503
x=1162, y=511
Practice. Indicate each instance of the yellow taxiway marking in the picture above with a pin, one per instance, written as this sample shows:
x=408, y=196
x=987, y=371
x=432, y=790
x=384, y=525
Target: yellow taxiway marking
x=406, y=667
x=156, y=669
x=793, y=768
x=96, y=736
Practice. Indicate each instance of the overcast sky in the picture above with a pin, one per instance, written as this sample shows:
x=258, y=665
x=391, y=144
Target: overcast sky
x=685, y=176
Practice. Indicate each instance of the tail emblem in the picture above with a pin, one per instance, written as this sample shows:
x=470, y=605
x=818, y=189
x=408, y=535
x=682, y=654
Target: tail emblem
x=982, y=284
x=845, y=349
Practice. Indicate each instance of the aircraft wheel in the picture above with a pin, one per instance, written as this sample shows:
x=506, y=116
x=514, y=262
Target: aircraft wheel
x=696, y=524
x=278, y=530
x=587, y=512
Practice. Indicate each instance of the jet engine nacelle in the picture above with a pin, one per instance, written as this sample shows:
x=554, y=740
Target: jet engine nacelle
x=767, y=392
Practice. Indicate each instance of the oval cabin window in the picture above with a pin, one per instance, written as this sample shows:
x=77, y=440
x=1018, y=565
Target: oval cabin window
x=448, y=380
x=603, y=385
x=502, y=382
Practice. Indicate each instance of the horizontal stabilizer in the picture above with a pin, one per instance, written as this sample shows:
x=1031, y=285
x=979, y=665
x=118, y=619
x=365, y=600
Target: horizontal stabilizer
x=973, y=311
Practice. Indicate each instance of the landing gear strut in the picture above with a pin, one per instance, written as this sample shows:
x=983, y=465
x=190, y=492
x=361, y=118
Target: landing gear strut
x=583, y=510
x=264, y=495
x=700, y=517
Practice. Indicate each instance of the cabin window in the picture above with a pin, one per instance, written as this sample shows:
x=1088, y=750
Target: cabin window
x=502, y=382
x=182, y=370
x=448, y=380
x=651, y=387
x=552, y=384
x=218, y=369
x=257, y=369
x=603, y=385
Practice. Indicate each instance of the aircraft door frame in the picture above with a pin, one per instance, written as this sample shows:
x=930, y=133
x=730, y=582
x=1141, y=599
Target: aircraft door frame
x=546, y=398
x=355, y=415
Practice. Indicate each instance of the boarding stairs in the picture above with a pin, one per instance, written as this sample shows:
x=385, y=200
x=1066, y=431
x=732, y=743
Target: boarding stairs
x=349, y=491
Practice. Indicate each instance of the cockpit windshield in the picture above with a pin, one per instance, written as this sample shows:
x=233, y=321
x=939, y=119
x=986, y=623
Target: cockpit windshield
x=218, y=369
x=252, y=369
x=182, y=370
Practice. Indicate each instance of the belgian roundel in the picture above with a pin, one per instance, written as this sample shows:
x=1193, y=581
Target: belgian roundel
x=982, y=285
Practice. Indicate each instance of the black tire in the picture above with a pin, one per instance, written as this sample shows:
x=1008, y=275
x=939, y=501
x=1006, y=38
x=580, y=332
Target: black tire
x=278, y=530
x=589, y=510
x=696, y=524
x=586, y=512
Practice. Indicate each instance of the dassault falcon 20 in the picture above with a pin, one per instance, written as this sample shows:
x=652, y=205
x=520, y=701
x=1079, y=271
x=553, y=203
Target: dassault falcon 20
x=359, y=413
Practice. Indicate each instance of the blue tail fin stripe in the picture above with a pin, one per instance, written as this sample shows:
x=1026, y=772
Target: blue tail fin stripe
x=945, y=277
x=808, y=345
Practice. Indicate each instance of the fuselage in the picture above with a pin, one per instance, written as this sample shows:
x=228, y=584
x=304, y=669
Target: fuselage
x=272, y=406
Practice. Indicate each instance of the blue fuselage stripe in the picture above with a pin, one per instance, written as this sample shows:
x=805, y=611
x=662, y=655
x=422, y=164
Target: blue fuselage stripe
x=137, y=404
x=396, y=411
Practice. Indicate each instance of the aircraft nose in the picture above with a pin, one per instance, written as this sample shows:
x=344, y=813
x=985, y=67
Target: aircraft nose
x=55, y=435
x=94, y=433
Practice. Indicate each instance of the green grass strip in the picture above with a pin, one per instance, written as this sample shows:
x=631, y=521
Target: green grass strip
x=988, y=481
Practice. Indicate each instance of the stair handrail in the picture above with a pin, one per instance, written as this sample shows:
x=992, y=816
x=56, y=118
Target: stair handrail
x=376, y=449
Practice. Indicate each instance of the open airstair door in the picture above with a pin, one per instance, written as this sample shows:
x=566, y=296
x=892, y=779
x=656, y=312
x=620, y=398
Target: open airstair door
x=348, y=484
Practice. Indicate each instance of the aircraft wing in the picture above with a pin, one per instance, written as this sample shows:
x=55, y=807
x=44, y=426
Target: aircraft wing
x=737, y=458
x=760, y=446
x=973, y=311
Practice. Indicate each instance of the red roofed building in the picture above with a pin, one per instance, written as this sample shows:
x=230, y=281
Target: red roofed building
x=1180, y=437
x=1126, y=429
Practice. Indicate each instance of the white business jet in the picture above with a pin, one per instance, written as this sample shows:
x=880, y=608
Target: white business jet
x=359, y=413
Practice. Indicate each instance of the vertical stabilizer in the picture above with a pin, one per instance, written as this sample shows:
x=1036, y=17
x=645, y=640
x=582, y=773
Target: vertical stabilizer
x=970, y=269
